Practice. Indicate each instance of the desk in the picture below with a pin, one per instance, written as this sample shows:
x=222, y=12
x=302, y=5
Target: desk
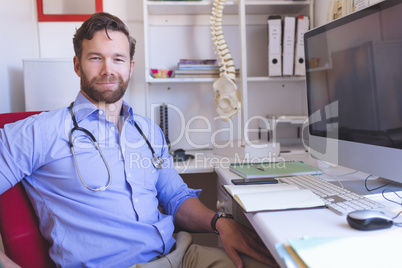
x=277, y=227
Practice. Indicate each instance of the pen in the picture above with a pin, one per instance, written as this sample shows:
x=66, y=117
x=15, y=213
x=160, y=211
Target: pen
x=258, y=167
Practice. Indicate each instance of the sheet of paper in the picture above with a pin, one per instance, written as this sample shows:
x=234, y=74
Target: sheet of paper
x=363, y=251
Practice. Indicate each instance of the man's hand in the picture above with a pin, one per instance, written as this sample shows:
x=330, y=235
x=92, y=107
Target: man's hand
x=237, y=238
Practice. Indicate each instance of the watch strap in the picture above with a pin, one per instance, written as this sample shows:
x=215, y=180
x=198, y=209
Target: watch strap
x=216, y=217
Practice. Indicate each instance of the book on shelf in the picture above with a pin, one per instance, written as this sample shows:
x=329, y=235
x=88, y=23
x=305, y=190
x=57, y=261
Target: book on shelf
x=266, y=197
x=191, y=71
x=199, y=73
x=272, y=169
x=196, y=75
x=198, y=63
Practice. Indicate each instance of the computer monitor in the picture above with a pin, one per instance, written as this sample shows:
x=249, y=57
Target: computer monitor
x=354, y=90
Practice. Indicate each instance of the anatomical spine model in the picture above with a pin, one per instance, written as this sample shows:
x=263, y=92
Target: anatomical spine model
x=227, y=97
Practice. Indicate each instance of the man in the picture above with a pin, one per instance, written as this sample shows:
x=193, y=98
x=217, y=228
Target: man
x=96, y=173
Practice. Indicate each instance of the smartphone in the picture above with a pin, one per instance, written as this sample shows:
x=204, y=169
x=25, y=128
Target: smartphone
x=254, y=181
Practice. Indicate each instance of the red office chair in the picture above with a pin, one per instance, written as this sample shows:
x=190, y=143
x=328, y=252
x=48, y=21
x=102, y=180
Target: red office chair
x=19, y=227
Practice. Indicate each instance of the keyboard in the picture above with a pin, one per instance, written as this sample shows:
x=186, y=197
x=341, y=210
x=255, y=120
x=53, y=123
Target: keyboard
x=336, y=198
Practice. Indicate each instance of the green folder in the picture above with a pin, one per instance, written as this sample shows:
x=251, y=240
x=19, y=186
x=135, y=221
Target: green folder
x=272, y=169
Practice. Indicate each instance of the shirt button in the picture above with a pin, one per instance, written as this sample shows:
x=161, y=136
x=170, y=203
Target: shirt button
x=136, y=200
x=112, y=128
x=100, y=112
x=128, y=174
x=162, y=232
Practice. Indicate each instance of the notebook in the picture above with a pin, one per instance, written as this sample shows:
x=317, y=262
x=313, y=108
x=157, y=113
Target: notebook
x=272, y=169
x=278, y=196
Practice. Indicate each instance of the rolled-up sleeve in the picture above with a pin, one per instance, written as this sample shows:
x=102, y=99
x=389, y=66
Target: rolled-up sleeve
x=172, y=191
x=20, y=151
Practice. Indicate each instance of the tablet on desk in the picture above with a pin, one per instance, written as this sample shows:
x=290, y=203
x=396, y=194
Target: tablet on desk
x=254, y=181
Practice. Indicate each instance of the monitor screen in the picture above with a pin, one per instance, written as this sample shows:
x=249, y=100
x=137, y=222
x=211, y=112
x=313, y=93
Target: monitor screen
x=354, y=90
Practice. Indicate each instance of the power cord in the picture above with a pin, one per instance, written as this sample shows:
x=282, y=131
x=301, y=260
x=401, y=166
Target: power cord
x=379, y=187
x=397, y=224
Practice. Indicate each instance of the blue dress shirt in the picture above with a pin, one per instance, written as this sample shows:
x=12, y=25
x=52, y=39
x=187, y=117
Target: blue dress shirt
x=117, y=227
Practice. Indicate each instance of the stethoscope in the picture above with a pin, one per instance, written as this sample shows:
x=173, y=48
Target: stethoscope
x=157, y=161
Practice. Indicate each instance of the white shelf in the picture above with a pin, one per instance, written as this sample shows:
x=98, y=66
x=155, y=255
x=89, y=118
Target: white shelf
x=187, y=7
x=211, y=80
x=180, y=80
x=276, y=79
x=231, y=7
x=181, y=29
x=277, y=7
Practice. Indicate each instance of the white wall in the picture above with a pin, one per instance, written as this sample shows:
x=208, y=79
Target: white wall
x=321, y=12
x=23, y=37
x=19, y=40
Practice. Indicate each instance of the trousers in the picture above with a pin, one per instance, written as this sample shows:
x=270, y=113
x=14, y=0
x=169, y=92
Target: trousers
x=189, y=255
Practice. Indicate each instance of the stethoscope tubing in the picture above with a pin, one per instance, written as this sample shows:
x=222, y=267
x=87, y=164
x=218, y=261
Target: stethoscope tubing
x=157, y=161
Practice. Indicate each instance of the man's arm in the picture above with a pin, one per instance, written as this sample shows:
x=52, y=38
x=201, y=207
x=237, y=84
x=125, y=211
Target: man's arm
x=193, y=216
x=5, y=261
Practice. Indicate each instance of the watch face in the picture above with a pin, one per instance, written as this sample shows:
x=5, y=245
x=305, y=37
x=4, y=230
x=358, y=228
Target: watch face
x=225, y=215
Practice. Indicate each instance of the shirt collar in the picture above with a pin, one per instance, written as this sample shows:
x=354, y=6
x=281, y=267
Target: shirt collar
x=83, y=108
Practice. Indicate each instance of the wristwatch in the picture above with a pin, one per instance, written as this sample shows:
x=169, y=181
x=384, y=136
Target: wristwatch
x=218, y=216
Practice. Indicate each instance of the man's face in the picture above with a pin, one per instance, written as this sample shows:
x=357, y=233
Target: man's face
x=105, y=67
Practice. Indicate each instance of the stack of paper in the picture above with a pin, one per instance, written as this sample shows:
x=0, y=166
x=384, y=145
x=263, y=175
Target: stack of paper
x=197, y=68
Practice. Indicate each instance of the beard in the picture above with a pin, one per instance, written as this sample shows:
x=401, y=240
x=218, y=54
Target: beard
x=108, y=96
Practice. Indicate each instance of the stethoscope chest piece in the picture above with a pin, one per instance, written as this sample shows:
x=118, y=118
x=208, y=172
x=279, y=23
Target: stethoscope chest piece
x=157, y=161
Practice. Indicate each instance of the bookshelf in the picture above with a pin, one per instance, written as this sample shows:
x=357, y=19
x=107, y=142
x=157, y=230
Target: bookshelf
x=175, y=30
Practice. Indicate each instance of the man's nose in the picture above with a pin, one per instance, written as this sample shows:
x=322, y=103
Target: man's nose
x=107, y=68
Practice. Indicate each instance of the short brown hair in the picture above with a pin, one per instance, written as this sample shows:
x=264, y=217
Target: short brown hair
x=97, y=22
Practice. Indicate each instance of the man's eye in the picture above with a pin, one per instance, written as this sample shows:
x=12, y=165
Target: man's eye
x=95, y=58
x=119, y=60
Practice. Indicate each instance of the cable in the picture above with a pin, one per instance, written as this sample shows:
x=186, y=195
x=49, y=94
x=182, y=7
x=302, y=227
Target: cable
x=379, y=187
x=397, y=224
x=389, y=200
x=347, y=174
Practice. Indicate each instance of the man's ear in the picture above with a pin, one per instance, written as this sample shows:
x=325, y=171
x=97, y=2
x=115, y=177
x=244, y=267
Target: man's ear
x=132, y=68
x=77, y=68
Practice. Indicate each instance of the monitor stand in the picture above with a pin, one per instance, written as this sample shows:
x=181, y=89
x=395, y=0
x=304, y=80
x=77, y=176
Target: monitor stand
x=357, y=186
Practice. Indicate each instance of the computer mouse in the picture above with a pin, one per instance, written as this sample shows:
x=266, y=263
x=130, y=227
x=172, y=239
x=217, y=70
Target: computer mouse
x=369, y=220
